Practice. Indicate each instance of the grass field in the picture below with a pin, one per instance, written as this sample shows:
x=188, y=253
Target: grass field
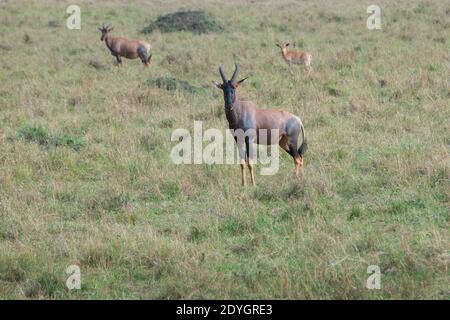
x=86, y=176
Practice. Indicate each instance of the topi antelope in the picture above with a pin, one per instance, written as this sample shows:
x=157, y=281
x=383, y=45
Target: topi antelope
x=295, y=57
x=121, y=47
x=261, y=123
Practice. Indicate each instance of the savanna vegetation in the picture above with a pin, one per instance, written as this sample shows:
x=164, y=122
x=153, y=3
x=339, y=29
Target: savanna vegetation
x=86, y=177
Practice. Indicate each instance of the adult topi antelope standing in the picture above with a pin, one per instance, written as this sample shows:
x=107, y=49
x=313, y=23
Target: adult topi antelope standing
x=121, y=47
x=259, y=126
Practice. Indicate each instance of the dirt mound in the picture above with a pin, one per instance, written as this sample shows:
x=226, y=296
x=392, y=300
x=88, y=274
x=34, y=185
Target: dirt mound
x=197, y=22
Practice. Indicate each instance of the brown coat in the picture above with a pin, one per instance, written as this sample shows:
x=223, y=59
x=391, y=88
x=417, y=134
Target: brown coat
x=295, y=57
x=122, y=47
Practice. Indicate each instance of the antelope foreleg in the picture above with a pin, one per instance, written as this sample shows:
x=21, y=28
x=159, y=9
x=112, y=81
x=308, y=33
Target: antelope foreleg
x=119, y=60
x=249, y=156
x=242, y=158
x=244, y=180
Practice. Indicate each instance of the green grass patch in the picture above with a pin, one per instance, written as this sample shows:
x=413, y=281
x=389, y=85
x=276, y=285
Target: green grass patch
x=39, y=135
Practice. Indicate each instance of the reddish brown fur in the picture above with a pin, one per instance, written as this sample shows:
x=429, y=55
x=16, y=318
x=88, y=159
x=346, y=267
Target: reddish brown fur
x=122, y=47
x=246, y=116
x=295, y=57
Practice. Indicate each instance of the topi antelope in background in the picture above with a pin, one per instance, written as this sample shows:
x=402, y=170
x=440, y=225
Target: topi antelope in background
x=295, y=57
x=121, y=47
x=246, y=116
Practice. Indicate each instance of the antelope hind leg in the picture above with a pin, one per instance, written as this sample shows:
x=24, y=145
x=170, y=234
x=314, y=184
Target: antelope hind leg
x=252, y=172
x=298, y=163
x=298, y=160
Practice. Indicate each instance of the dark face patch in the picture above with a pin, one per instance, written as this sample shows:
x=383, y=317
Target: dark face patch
x=104, y=33
x=229, y=94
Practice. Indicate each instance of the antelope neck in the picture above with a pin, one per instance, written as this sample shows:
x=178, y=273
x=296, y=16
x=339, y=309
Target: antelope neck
x=232, y=114
x=108, y=41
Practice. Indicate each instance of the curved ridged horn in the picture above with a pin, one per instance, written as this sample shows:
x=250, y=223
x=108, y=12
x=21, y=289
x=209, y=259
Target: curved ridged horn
x=222, y=74
x=235, y=74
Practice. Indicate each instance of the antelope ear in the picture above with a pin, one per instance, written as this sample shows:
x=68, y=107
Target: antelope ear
x=242, y=80
x=99, y=29
x=111, y=29
x=287, y=45
x=217, y=85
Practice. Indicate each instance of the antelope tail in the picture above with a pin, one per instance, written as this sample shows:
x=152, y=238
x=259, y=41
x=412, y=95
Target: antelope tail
x=304, y=145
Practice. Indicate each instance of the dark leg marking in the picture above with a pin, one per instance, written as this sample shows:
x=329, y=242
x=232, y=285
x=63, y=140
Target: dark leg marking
x=250, y=159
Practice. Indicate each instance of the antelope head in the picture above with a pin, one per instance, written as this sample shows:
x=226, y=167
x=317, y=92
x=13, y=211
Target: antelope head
x=283, y=47
x=229, y=86
x=105, y=30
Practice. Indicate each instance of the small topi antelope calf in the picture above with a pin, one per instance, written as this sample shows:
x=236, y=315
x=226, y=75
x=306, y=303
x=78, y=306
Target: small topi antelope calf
x=121, y=47
x=259, y=123
x=295, y=57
